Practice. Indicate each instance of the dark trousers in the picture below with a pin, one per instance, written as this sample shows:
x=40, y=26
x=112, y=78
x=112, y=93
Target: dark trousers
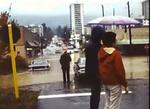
x=66, y=75
x=95, y=94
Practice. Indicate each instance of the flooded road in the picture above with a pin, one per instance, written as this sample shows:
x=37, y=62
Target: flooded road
x=136, y=67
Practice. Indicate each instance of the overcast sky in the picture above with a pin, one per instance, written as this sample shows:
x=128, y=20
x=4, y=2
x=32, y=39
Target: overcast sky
x=61, y=7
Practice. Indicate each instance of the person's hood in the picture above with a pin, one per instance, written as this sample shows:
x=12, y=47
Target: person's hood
x=109, y=50
x=105, y=51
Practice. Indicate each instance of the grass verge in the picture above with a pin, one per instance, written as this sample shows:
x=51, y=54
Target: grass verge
x=28, y=99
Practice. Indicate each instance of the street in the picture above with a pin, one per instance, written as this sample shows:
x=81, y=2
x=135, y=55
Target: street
x=136, y=67
x=54, y=95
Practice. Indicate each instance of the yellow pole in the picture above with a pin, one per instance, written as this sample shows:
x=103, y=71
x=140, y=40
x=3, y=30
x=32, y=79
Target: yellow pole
x=13, y=61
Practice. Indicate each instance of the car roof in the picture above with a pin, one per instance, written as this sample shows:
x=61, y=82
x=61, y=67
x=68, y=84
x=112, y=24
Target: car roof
x=40, y=60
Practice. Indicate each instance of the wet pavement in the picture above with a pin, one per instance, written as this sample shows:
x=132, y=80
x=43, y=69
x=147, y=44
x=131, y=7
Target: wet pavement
x=58, y=97
x=75, y=96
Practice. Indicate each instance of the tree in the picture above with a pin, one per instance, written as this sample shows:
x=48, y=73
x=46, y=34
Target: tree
x=66, y=33
x=4, y=18
x=15, y=31
x=59, y=31
x=4, y=37
x=5, y=59
x=48, y=32
x=63, y=32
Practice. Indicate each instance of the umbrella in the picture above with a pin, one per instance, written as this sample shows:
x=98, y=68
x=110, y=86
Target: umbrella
x=113, y=20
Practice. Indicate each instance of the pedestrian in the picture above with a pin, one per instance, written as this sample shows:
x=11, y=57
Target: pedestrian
x=91, y=68
x=111, y=71
x=65, y=60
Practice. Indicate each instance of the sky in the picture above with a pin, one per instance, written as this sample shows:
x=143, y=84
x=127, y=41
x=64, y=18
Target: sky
x=61, y=7
x=56, y=12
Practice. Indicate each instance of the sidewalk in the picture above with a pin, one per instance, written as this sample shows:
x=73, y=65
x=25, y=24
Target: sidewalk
x=57, y=96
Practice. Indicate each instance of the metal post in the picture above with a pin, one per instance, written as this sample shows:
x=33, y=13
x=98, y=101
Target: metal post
x=15, y=81
x=130, y=34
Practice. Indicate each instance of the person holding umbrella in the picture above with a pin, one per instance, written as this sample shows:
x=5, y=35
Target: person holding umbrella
x=91, y=68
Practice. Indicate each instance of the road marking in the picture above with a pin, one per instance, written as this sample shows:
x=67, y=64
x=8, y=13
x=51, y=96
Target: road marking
x=71, y=95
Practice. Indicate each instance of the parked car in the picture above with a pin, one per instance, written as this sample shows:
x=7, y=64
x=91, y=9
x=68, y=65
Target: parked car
x=76, y=50
x=40, y=64
x=80, y=77
x=58, y=49
x=70, y=49
x=79, y=66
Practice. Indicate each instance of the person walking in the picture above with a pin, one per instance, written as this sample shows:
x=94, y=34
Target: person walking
x=91, y=68
x=65, y=60
x=111, y=71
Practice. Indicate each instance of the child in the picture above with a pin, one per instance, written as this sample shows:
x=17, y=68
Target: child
x=111, y=70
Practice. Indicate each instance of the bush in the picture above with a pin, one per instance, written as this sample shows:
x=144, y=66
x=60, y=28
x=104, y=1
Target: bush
x=27, y=100
x=6, y=68
x=21, y=63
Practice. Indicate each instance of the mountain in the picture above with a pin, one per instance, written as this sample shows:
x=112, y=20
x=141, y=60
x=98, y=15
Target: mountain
x=51, y=21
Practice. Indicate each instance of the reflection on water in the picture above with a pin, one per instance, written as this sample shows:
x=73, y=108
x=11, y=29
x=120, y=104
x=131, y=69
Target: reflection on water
x=136, y=67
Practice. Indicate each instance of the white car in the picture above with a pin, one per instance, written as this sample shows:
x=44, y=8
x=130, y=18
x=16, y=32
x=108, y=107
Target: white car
x=70, y=49
x=79, y=66
x=58, y=49
x=81, y=77
x=48, y=51
x=76, y=50
x=40, y=64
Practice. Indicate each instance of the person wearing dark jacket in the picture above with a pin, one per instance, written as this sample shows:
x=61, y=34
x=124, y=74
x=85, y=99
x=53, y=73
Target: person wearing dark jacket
x=65, y=60
x=91, y=69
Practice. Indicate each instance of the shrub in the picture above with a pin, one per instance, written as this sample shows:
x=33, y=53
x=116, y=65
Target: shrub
x=6, y=68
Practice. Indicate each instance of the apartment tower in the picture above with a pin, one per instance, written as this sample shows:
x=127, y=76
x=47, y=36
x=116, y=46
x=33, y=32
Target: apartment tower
x=76, y=19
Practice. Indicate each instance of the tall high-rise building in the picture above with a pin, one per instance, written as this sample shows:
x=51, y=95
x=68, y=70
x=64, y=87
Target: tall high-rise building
x=76, y=19
x=145, y=9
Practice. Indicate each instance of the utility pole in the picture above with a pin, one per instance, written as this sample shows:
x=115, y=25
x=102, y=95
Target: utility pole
x=129, y=24
x=102, y=10
x=41, y=38
x=113, y=11
x=103, y=14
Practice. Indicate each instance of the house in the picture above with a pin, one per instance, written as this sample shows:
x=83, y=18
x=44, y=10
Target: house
x=28, y=45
